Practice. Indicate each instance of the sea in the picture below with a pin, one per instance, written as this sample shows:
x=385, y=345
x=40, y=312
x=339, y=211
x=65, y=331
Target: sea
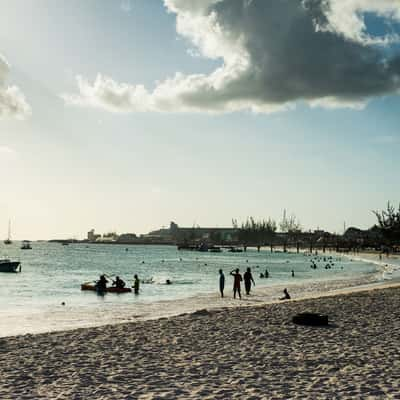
x=46, y=295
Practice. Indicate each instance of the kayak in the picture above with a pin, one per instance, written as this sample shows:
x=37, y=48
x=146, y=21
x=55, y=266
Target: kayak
x=111, y=289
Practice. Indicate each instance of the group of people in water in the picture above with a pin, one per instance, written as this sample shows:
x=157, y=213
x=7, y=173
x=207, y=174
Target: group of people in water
x=101, y=284
x=327, y=260
x=248, y=283
x=247, y=278
x=237, y=279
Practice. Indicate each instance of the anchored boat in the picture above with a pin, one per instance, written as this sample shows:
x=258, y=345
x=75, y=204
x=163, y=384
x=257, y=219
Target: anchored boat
x=26, y=245
x=10, y=266
x=8, y=240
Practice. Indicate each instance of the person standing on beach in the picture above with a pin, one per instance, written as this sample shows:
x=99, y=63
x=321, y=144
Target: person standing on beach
x=248, y=278
x=237, y=278
x=221, y=282
x=136, y=284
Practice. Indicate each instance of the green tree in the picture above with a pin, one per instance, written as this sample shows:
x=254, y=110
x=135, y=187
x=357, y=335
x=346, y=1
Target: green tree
x=290, y=224
x=255, y=232
x=389, y=223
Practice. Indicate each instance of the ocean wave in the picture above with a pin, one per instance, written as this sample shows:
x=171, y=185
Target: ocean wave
x=167, y=281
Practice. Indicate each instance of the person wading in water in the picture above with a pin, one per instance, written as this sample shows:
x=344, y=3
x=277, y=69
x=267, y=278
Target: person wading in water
x=136, y=284
x=237, y=278
x=248, y=278
x=221, y=282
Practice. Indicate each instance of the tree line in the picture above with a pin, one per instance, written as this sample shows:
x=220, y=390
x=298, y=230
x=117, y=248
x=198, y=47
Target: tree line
x=389, y=223
x=263, y=231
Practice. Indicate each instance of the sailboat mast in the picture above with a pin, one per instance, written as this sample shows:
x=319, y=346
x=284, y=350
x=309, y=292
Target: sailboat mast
x=8, y=240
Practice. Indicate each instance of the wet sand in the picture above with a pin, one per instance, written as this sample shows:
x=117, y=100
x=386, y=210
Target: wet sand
x=244, y=352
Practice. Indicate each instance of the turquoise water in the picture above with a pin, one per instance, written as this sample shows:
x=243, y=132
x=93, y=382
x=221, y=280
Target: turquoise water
x=52, y=274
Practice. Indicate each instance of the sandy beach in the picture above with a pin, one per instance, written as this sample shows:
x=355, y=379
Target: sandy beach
x=244, y=352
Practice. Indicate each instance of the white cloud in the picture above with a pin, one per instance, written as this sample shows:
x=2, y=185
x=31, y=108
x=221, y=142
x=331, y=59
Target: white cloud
x=347, y=19
x=331, y=102
x=273, y=54
x=12, y=100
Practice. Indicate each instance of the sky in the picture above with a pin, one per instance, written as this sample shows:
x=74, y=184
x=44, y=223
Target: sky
x=126, y=115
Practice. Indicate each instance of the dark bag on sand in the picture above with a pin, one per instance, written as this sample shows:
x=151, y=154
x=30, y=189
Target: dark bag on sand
x=310, y=319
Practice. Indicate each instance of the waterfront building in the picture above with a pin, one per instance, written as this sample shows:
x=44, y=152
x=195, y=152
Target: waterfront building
x=127, y=238
x=196, y=233
x=92, y=236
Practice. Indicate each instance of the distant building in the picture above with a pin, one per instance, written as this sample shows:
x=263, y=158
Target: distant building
x=127, y=238
x=370, y=236
x=196, y=233
x=92, y=236
x=109, y=237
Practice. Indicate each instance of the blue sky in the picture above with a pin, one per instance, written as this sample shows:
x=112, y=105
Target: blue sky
x=66, y=169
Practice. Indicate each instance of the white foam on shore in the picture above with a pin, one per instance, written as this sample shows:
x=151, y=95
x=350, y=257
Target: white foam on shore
x=388, y=269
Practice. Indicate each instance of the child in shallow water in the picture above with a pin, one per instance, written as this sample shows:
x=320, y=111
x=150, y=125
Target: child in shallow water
x=286, y=295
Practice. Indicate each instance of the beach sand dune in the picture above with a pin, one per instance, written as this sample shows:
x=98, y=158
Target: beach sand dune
x=235, y=353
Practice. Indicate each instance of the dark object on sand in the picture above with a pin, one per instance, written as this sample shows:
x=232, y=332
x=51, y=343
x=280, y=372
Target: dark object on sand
x=311, y=319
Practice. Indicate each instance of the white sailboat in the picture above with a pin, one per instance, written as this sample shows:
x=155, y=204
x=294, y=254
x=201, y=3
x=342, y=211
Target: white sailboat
x=8, y=240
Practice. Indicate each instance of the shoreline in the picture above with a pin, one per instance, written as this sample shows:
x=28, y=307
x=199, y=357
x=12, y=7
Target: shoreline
x=57, y=318
x=140, y=312
x=387, y=264
x=256, y=352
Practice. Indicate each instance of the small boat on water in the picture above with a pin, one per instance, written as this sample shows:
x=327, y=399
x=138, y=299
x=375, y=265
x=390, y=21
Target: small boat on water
x=8, y=240
x=26, y=245
x=7, y=265
x=111, y=289
x=235, y=250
